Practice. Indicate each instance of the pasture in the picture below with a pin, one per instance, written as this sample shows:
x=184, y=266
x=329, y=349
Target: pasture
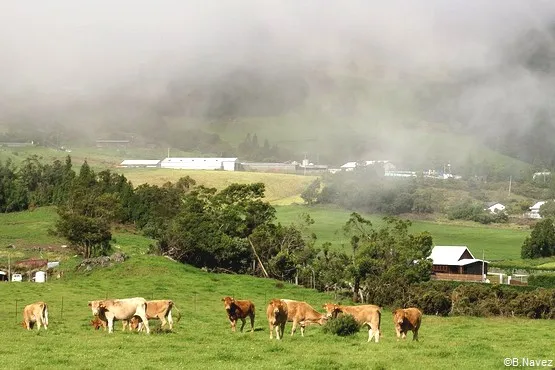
x=203, y=339
x=497, y=243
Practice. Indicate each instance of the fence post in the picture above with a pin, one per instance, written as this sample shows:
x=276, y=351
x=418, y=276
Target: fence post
x=62, y=309
x=16, y=310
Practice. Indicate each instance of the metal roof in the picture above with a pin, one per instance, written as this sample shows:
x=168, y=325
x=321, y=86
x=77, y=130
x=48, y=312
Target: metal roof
x=138, y=162
x=451, y=255
x=189, y=159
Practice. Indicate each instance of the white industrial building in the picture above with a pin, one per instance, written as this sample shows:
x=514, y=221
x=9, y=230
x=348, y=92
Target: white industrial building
x=225, y=164
x=140, y=163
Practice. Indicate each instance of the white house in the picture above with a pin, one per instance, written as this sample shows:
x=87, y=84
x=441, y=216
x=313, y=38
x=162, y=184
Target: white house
x=535, y=210
x=128, y=163
x=387, y=165
x=453, y=262
x=226, y=164
x=494, y=207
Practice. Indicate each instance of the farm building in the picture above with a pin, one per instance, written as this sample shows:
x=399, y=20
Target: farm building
x=270, y=167
x=457, y=263
x=350, y=166
x=225, y=164
x=135, y=163
x=100, y=143
x=494, y=207
x=535, y=210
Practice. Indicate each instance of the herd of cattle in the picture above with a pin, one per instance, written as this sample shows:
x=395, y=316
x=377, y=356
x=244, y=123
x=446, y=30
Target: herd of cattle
x=135, y=313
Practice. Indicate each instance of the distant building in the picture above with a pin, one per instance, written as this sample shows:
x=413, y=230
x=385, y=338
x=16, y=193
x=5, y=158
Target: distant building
x=494, y=207
x=130, y=163
x=386, y=165
x=543, y=174
x=291, y=168
x=14, y=144
x=457, y=263
x=100, y=143
x=400, y=174
x=225, y=164
x=535, y=210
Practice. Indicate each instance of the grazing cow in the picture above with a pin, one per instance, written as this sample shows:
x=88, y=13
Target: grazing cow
x=368, y=314
x=158, y=309
x=277, y=317
x=35, y=313
x=301, y=313
x=237, y=309
x=120, y=309
x=406, y=319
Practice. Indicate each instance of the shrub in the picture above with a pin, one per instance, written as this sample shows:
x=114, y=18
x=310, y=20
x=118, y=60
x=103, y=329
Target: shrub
x=544, y=280
x=343, y=326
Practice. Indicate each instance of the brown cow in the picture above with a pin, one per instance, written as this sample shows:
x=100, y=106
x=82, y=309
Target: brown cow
x=97, y=322
x=368, y=314
x=120, y=309
x=277, y=317
x=157, y=309
x=237, y=309
x=406, y=319
x=301, y=313
x=35, y=313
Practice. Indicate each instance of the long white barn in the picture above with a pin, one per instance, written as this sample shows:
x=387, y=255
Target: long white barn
x=226, y=164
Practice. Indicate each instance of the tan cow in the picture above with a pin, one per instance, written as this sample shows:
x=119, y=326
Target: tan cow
x=277, y=317
x=120, y=309
x=368, y=314
x=35, y=313
x=301, y=313
x=237, y=309
x=406, y=319
x=157, y=309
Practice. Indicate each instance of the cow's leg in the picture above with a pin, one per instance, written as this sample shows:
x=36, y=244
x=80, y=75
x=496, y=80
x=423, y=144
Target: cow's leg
x=233, y=324
x=302, y=329
x=27, y=324
x=243, y=322
x=294, y=327
x=38, y=322
x=252, y=323
x=110, y=324
x=398, y=333
x=281, y=330
x=415, y=334
x=170, y=319
x=272, y=331
x=404, y=334
x=145, y=322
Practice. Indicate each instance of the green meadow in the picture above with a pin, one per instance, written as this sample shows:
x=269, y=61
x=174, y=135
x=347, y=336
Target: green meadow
x=494, y=242
x=202, y=338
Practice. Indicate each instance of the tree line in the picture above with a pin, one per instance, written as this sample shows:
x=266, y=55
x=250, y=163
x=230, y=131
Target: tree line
x=232, y=230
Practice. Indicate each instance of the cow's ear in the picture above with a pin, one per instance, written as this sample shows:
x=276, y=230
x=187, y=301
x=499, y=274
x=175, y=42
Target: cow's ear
x=90, y=304
x=223, y=299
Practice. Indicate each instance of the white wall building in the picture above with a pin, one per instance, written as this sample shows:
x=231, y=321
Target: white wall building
x=140, y=163
x=495, y=207
x=226, y=164
x=535, y=210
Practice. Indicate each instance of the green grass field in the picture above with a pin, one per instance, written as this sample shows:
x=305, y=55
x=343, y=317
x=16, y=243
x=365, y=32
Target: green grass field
x=496, y=242
x=203, y=339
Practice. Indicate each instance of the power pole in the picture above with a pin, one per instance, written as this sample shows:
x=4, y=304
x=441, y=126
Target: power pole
x=510, y=183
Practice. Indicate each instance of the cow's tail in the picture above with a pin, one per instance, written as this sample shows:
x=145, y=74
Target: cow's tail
x=45, y=314
x=178, y=312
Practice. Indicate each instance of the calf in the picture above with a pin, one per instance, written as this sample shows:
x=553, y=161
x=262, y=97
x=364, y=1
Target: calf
x=406, y=319
x=120, y=309
x=301, y=313
x=277, y=317
x=97, y=322
x=35, y=313
x=369, y=315
x=237, y=309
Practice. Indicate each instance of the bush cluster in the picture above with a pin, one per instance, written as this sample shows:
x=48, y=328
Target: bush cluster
x=543, y=280
x=343, y=326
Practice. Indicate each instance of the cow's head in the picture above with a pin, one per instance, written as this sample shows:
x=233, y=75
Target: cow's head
x=399, y=316
x=229, y=302
x=96, y=307
x=134, y=322
x=96, y=323
x=332, y=309
x=276, y=305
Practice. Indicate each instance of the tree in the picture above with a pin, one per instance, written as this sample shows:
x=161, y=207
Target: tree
x=386, y=259
x=548, y=209
x=541, y=242
x=310, y=194
x=89, y=236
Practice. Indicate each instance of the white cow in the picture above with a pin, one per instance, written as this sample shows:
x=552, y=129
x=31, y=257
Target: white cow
x=120, y=309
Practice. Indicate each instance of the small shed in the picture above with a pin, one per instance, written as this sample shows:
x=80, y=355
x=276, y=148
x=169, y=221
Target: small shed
x=40, y=277
x=4, y=276
x=494, y=207
x=457, y=263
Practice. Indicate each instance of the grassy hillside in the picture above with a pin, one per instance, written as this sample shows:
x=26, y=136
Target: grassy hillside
x=202, y=338
x=496, y=242
x=280, y=188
